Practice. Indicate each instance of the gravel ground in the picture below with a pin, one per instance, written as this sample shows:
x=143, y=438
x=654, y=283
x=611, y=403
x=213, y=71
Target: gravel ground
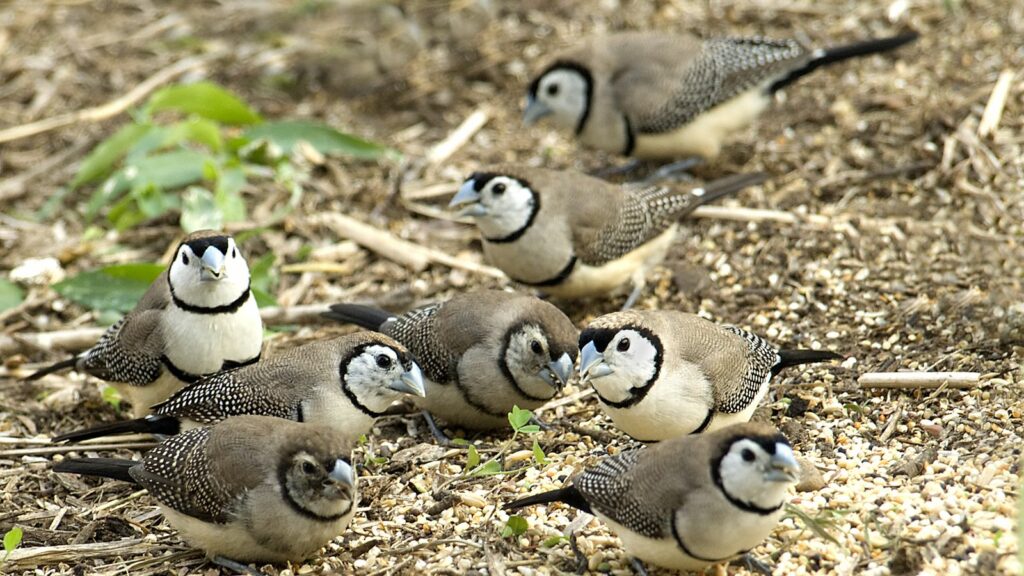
x=903, y=252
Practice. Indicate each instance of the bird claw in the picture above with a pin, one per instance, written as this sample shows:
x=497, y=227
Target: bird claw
x=754, y=565
x=678, y=171
x=235, y=567
x=581, y=560
x=638, y=567
x=439, y=434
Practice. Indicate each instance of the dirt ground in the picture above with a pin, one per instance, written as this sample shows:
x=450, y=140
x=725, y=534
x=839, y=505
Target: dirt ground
x=905, y=253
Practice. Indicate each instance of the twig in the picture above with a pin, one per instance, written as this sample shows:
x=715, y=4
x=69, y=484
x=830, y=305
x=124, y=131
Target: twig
x=77, y=552
x=112, y=108
x=919, y=379
x=458, y=138
x=996, y=102
x=564, y=400
x=412, y=256
x=42, y=451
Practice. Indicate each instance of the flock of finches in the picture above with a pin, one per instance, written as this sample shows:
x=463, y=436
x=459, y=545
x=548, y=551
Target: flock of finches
x=256, y=463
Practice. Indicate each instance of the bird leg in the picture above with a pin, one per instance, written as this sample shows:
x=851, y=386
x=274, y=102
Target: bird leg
x=754, y=565
x=608, y=171
x=581, y=560
x=638, y=566
x=436, y=431
x=235, y=567
x=540, y=423
x=678, y=171
x=639, y=283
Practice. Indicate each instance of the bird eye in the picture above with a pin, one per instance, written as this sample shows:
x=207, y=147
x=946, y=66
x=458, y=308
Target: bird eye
x=536, y=348
x=748, y=454
x=552, y=89
x=184, y=259
x=498, y=189
x=623, y=345
x=383, y=361
x=308, y=467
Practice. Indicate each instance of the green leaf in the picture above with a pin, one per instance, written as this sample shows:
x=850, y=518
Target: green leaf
x=10, y=295
x=326, y=140
x=263, y=279
x=204, y=99
x=514, y=526
x=553, y=541
x=489, y=468
x=538, y=454
x=473, y=459
x=168, y=170
x=197, y=130
x=228, y=193
x=199, y=210
x=530, y=429
x=116, y=287
x=111, y=396
x=11, y=540
x=815, y=525
x=101, y=160
x=519, y=417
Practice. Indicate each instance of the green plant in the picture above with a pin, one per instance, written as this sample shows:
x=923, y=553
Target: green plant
x=203, y=141
x=821, y=524
x=10, y=294
x=112, y=397
x=11, y=540
x=514, y=526
x=520, y=421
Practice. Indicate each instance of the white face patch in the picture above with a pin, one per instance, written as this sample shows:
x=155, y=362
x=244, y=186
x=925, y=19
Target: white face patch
x=743, y=471
x=564, y=92
x=209, y=279
x=526, y=356
x=370, y=375
x=509, y=205
x=632, y=359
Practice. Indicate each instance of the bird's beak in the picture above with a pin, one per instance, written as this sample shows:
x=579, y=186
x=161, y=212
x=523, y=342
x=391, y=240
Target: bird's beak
x=535, y=110
x=469, y=197
x=783, y=466
x=410, y=382
x=213, y=264
x=592, y=364
x=342, y=473
x=558, y=372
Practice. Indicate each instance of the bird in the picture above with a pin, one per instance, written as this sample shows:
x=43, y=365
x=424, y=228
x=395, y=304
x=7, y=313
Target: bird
x=342, y=383
x=656, y=95
x=482, y=353
x=571, y=235
x=197, y=318
x=691, y=501
x=660, y=374
x=248, y=489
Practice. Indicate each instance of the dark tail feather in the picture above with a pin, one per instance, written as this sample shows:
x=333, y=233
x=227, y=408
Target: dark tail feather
x=115, y=468
x=568, y=495
x=723, y=187
x=167, y=425
x=796, y=357
x=62, y=365
x=364, y=316
x=840, y=53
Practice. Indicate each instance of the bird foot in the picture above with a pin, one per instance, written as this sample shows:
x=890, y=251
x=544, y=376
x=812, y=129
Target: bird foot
x=439, y=434
x=581, y=560
x=235, y=567
x=639, y=283
x=754, y=565
x=540, y=423
x=638, y=567
x=678, y=171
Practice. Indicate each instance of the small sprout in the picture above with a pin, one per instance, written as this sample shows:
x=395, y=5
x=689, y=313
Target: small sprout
x=111, y=396
x=489, y=468
x=473, y=460
x=519, y=418
x=363, y=440
x=13, y=538
x=515, y=526
x=554, y=541
x=538, y=454
x=530, y=429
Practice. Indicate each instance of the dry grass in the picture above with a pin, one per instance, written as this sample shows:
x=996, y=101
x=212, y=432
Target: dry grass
x=915, y=262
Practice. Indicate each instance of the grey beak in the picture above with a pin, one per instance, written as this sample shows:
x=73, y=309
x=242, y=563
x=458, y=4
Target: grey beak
x=535, y=110
x=213, y=264
x=783, y=466
x=342, y=473
x=558, y=371
x=592, y=363
x=410, y=382
x=469, y=197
